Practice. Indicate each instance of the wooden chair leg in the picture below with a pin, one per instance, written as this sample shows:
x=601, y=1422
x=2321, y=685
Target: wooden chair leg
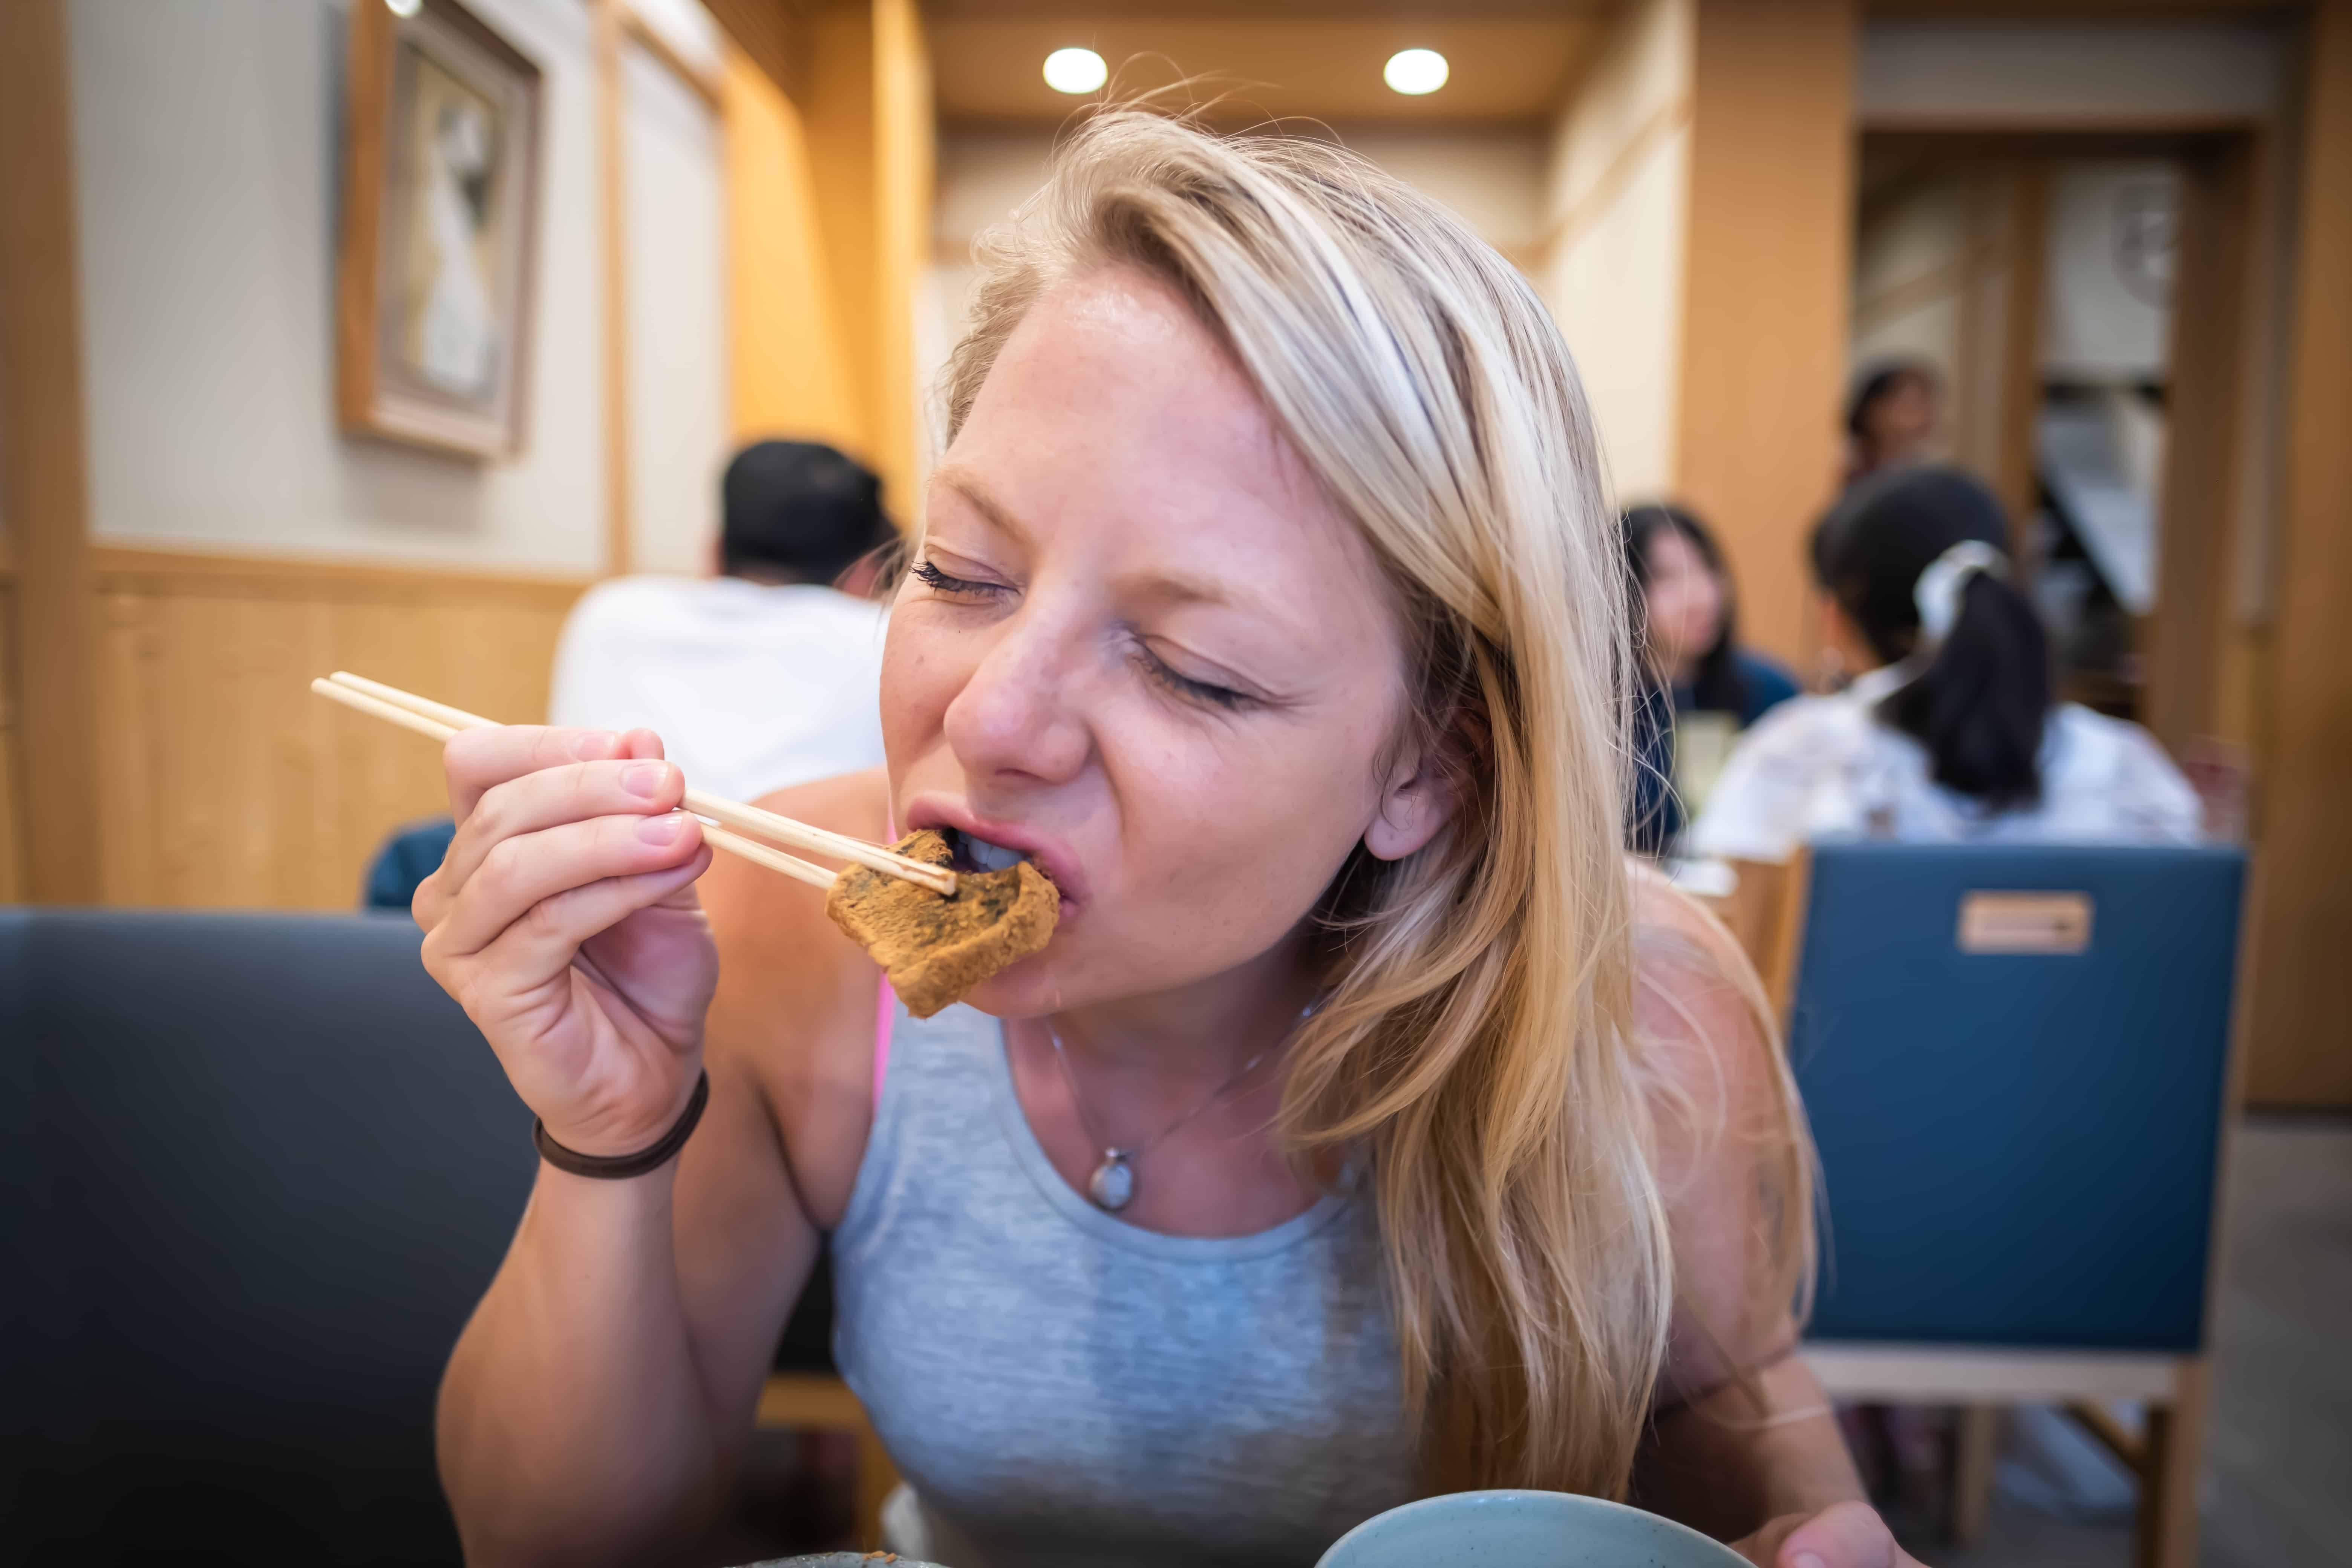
x=823, y=1403
x=2173, y=1459
x=1974, y=1437
x=876, y=1478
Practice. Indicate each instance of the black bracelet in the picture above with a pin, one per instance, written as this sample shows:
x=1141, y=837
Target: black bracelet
x=621, y=1167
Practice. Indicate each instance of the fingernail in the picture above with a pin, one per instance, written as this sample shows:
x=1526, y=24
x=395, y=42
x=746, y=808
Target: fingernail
x=643, y=778
x=1808, y=1559
x=662, y=829
x=594, y=746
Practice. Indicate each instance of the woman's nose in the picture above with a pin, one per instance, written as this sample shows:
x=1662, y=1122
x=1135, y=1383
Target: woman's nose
x=1014, y=715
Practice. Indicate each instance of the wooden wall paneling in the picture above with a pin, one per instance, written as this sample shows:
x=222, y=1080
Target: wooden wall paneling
x=225, y=783
x=1767, y=291
x=2184, y=641
x=2301, y=1048
x=43, y=481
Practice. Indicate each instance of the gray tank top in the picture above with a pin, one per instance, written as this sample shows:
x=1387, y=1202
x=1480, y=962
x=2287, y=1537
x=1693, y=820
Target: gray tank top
x=1059, y=1387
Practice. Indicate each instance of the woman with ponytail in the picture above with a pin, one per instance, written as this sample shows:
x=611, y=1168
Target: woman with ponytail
x=1952, y=733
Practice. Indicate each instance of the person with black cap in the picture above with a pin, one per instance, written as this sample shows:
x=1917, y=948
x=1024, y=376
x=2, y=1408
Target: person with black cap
x=767, y=673
x=1954, y=732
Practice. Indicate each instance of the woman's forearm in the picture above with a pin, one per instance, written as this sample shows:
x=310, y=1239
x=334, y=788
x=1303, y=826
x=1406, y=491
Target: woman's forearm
x=574, y=1426
x=1749, y=1452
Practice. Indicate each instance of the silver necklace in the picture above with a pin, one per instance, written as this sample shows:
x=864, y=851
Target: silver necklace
x=1112, y=1185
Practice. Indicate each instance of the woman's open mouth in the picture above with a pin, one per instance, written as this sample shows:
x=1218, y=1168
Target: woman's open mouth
x=976, y=854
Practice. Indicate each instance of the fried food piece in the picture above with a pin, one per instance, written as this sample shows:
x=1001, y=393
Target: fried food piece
x=935, y=949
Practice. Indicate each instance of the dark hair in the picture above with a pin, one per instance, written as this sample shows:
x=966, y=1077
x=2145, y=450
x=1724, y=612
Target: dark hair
x=799, y=510
x=1881, y=382
x=1983, y=699
x=1718, y=685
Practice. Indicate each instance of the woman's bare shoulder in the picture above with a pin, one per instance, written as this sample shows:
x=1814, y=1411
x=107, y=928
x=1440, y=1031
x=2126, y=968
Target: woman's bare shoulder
x=795, y=1006
x=1700, y=1017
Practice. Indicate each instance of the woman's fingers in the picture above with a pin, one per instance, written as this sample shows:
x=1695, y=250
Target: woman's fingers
x=569, y=791
x=518, y=872
x=541, y=943
x=475, y=761
x=1845, y=1536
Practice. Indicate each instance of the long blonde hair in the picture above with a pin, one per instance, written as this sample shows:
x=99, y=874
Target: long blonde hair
x=1475, y=1054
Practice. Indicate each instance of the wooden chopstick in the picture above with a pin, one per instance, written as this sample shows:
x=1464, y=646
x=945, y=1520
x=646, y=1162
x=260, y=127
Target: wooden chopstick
x=744, y=819
x=433, y=729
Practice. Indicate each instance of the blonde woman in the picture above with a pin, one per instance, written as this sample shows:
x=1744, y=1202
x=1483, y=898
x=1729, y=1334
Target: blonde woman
x=1366, y=1128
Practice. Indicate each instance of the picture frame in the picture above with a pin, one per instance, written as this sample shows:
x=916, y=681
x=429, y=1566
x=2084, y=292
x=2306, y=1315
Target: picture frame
x=442, y=173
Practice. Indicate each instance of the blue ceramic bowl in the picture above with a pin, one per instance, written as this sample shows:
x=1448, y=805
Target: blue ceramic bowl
x=1524, y=1530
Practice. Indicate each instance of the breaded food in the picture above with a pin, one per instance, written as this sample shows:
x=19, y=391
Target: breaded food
x=935, y=949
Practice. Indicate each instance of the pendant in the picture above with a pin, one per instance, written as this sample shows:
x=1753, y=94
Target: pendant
x=1112, y=1187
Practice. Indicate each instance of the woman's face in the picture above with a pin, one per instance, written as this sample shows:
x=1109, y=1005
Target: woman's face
x=1684, y=601
x=1142, y=647
x=1903, y=421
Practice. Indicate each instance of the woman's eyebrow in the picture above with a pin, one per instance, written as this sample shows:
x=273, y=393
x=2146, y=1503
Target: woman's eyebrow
x=969, y=487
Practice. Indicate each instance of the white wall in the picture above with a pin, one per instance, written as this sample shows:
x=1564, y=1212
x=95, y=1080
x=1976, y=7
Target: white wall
x=1616, y=210
x=676, y=270
x=2106, y=310
x=206, y=145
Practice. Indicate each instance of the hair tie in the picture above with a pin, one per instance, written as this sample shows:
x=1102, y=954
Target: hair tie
x=1937, y=593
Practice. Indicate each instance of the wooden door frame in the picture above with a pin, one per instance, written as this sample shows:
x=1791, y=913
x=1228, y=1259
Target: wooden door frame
x=44, y=478
x=2208, y=381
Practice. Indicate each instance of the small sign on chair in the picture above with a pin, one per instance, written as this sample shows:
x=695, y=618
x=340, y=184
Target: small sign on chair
x=2025, y=922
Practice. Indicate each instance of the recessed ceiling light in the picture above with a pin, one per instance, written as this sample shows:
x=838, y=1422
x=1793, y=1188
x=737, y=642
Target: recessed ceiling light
x=404, y=7
x=1415, y=71
x=1075, y=70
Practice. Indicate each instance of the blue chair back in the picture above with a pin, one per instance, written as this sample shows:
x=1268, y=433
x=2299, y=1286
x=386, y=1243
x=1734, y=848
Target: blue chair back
x=2018, y=1131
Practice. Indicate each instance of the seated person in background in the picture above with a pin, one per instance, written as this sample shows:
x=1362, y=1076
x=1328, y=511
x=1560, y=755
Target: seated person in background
x=768, y=674
x=1698, y=687
x=1953, y=733
x=1892, y=420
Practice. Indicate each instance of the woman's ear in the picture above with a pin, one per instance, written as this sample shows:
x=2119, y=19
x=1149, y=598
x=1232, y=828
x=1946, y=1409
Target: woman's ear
x=1424, y=789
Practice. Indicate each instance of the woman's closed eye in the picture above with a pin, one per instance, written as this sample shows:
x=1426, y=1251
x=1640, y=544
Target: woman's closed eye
x=1203, y=691
x=941, y=584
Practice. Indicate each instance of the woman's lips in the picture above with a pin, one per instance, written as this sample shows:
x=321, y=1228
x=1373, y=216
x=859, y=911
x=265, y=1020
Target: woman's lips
x=1048, y=855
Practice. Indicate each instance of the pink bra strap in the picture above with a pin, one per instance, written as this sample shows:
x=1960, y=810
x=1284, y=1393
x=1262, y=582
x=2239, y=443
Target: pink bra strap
x=885, y=1004
x=886, y=1013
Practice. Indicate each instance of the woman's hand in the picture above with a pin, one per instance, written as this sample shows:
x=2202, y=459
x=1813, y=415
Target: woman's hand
x=563, y=920
x=1845, y=1536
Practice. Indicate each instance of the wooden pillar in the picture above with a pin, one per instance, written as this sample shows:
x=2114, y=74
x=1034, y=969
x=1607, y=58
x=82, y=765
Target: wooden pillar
x=839, y=120
x=2302, y=1047
x=43, y=483
x=904, y=142
x=1766, y=291
x=2187, y=638
x=613, y=243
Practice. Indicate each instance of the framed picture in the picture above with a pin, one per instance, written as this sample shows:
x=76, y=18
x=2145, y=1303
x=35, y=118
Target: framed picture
x=441, y=178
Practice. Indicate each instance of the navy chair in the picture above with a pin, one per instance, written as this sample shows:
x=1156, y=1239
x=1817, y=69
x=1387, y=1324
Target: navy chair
x=254, y=1172
x=2017, y=1063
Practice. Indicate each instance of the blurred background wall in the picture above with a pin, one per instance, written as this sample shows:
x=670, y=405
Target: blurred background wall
x=2117, y=231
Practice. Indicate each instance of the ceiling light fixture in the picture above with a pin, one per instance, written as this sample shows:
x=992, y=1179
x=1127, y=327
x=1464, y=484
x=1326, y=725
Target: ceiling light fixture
x=1415, y=71
x=1075, y=70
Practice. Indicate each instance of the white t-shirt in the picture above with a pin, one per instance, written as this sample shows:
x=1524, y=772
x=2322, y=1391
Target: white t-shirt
x=750, y=687
x=1821, y=767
